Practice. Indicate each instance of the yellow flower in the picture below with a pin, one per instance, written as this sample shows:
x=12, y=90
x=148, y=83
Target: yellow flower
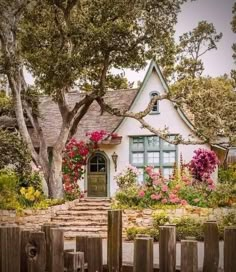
x=22, y=190
x=31, y=189
x=37, y=194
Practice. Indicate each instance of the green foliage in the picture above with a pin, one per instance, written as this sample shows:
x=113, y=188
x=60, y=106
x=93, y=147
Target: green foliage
x=203, y=98
x=188, y=227
x=196, y=195
x=224, y=195
x=228, y=174
x=15, y=152
x=6, y=105
x=14, y=197
x=227, y=221
x=55, y=38
x=127, y=177
x=129, y=196
x=8, y=193
x=192, y=45
x=132, y=232
x=160, y=219
x=33, y=179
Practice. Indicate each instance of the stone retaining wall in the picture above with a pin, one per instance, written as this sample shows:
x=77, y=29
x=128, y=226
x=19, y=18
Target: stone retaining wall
x=143, y=218
x=32, y=219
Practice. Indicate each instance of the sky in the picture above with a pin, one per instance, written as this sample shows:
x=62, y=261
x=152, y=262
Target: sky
x=219, y=12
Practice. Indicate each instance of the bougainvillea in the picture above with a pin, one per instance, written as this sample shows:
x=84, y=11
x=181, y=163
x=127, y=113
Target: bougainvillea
x=203, y=164
x=74, y=160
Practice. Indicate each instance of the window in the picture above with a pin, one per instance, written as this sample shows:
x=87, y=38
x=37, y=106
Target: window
x=151, y=150
x=155, y=108
x=97, y=163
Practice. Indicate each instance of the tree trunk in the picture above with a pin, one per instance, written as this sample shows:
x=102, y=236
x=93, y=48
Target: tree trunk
x=55, y=176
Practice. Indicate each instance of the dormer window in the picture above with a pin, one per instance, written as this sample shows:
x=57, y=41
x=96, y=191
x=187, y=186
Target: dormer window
x=155, y=108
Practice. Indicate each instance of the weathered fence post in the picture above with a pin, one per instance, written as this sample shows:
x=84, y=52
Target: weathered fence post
x=82, y=245
x=189, y=257
x=95, y=254
x=36, y=252
x=46, y=229
x=143, y=254
x=56, y=257
x=9, y=249
x=114, y=243
x=230, y=249
x=25, y=234
x=167, y=248
x=211, y=247
x=74, y=261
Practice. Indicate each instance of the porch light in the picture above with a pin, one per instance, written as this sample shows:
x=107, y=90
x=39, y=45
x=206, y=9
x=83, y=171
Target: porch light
x=114, y=157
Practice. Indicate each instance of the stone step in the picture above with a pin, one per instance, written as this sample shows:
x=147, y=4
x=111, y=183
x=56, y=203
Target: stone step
x=95, y=199
x=87, y=218
x=82, y=224
x=89, y=208
x=78, y=213
x=83, y=212
x=93, y=204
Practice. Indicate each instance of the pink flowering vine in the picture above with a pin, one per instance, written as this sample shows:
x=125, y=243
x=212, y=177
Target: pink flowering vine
x=75, y=158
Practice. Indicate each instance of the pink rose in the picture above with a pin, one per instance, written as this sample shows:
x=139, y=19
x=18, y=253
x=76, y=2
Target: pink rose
x=183, y=202
x=141, y=194
x=211, y=187
x=155, y=196
x=164, y=188
x=164, y=201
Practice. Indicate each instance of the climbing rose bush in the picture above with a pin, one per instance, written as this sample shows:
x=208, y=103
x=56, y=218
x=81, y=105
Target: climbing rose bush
x=203, y=164
x=74, y=160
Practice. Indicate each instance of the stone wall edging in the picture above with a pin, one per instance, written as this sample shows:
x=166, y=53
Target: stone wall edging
x=32, y=218
x=143, y=218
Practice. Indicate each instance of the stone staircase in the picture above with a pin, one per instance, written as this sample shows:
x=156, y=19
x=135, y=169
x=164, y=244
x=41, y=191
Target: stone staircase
x=86, y=217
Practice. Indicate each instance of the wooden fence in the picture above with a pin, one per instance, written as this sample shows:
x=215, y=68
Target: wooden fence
x=29, y=251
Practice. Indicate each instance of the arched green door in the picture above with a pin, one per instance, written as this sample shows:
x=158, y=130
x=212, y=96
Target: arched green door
x=97, y=176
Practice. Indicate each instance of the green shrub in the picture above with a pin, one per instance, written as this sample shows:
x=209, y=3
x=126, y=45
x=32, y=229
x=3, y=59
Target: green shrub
x=228, y=175
x=228, y=220
x=8, y=193
x=132, y=232
x=188, y=227
x=128, y=197
x=160, y=219
x=195, y=195
x=222, y=196
x=32, y=180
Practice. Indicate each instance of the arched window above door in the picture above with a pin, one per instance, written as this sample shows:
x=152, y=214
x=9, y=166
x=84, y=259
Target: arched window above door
x=97, y=163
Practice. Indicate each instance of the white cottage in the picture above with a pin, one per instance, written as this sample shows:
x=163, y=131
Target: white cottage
x=136, y=146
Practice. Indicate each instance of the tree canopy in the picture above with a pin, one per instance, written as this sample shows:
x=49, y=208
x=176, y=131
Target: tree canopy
x=75, y=42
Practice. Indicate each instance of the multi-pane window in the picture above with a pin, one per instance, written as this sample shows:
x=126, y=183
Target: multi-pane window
x=153, y=151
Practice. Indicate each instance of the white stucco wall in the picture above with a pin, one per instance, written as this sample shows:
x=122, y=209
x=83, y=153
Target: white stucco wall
x=129, y=127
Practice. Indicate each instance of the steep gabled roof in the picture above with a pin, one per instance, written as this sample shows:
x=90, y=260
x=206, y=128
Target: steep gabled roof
x=153, y=66
x=93, y=120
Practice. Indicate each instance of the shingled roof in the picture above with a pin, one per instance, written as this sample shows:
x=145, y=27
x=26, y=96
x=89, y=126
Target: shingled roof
x=93, y=120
